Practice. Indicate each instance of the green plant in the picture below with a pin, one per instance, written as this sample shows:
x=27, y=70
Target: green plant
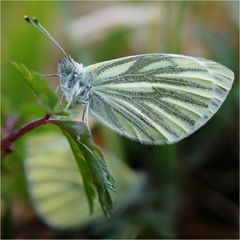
x=89, y=158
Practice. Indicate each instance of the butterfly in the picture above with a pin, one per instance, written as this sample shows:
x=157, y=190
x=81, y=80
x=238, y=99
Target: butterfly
x=152, y=98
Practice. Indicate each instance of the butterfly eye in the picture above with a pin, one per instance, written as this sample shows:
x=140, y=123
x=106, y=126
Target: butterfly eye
x=69, y=69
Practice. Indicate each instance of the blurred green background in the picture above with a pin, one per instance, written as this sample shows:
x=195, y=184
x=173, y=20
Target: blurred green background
x=191, y=188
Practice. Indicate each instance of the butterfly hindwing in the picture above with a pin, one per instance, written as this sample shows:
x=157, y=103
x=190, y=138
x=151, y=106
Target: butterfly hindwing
x=157, y=98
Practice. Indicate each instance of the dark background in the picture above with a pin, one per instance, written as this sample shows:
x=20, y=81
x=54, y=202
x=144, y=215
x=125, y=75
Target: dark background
x=191, y=188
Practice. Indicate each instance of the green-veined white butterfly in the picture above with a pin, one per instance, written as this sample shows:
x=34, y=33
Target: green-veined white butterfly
x=152, y=98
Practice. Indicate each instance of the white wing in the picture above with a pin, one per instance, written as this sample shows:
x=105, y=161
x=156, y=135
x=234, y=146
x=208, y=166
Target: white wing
x=157, y=98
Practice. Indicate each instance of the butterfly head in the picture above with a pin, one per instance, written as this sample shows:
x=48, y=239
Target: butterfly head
x=72, y=74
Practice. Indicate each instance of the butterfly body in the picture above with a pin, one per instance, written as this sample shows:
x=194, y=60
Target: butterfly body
x=152, y=98
x=74, y=81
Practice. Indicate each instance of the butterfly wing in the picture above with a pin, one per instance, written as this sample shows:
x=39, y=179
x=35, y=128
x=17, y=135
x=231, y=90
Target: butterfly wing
x=157, y=98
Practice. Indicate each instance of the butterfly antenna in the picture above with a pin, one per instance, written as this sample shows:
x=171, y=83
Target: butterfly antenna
x=35, y=23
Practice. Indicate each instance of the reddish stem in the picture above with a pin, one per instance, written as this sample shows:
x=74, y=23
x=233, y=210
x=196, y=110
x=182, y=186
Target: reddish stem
x=8, y=141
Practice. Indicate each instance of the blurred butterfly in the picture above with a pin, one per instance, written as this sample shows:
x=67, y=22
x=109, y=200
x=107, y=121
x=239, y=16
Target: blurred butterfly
x=153, y=98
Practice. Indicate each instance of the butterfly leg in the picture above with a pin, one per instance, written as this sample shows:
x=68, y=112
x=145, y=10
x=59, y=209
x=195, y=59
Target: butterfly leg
x=85, y=117
x=66, y=108
x=56, y=90
x=49, y=75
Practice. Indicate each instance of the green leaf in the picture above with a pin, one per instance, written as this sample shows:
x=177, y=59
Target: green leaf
x=101, y=176
x=56, y=187
x=85, y=172
x=47, y=97
x=65, y=115
x=94, y=159
x=7, y=221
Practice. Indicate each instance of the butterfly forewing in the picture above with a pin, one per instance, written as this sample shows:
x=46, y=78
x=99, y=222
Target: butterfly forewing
x=157, y=98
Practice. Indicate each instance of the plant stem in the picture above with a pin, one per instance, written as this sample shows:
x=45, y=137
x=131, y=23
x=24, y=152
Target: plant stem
x=6, y=145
